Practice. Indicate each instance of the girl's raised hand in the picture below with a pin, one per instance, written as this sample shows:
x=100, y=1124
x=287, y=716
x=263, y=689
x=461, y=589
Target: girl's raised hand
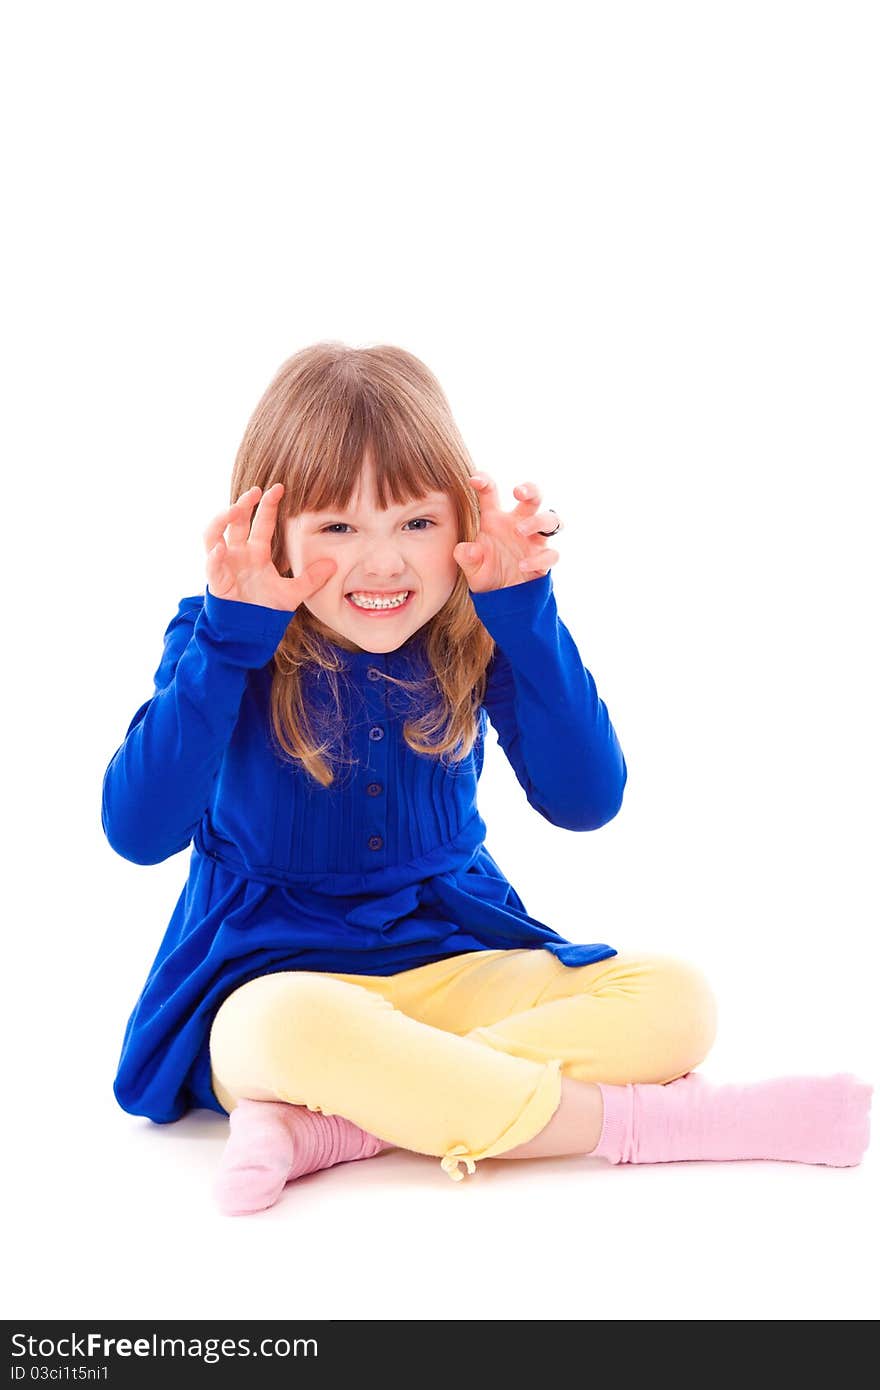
x=508, y=549
x=241, y=567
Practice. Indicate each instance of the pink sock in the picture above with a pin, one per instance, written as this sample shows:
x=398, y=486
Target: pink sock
x=802, y=1119
x=271, y=1143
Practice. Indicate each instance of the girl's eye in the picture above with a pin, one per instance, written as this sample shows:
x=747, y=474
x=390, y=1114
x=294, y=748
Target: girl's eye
x=334, y=524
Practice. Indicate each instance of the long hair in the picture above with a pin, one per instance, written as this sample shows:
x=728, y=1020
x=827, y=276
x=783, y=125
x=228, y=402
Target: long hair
x=324, y=407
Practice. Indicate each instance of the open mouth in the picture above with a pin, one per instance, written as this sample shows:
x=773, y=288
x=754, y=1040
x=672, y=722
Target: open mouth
x=380, y=606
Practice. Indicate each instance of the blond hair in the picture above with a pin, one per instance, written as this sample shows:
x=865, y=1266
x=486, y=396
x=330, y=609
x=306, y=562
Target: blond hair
x=325, y=406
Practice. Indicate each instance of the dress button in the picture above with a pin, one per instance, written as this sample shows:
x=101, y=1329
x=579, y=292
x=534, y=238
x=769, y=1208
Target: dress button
x=374, y=788
x=373, y=674
x=376, y=732
x=375, y=842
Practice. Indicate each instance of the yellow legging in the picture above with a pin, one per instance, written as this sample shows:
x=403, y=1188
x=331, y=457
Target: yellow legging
x=462, y=1058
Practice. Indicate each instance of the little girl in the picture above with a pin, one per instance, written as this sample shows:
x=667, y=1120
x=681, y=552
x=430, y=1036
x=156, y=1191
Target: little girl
x=347, y=969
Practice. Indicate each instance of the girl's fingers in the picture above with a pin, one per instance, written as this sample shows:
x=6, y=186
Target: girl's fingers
x=528, y=499
x=528, y=496
x=263, y=528
x=542, y=561
x=541, y=521
x=213, y=532
x=216, y=569
x=239, y=517
x=485, y=490
x=468, y=554
x=313, y=578
x=217, y=526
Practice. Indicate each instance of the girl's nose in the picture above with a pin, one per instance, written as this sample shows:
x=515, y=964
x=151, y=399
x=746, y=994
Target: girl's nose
x=383, y=560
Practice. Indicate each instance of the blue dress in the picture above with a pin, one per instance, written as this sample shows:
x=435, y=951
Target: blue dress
x=384, y=870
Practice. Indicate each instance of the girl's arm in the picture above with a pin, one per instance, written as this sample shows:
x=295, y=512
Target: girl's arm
x=159, y=782
x=546, y=710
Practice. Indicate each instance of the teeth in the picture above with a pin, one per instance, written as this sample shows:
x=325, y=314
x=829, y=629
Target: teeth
x=392, y=601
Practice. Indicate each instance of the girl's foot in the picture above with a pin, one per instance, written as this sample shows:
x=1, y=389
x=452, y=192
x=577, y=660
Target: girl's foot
x=801, y=1119
x=271, y=1143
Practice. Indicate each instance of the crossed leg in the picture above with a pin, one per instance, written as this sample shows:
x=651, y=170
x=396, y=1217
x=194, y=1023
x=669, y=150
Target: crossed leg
x=512, y=1054
x=396, y=1055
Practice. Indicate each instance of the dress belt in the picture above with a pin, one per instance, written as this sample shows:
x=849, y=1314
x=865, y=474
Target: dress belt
x=456, y=855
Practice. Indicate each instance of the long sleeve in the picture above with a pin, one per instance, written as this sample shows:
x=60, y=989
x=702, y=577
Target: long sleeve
x=158, y=783
x=543, y=703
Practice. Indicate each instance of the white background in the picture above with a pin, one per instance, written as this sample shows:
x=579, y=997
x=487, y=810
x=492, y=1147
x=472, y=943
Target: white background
x=637, y=243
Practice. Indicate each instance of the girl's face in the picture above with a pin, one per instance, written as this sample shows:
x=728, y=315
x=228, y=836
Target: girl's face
x=379, y=554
